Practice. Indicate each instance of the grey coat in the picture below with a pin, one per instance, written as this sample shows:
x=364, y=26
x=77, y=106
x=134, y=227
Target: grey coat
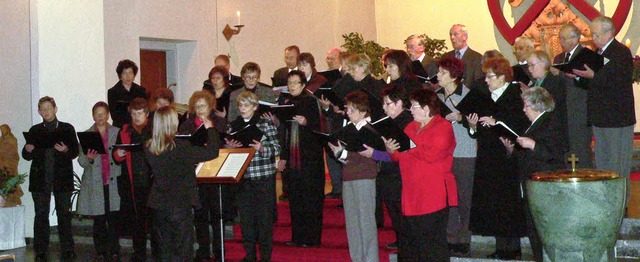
x=91, y=196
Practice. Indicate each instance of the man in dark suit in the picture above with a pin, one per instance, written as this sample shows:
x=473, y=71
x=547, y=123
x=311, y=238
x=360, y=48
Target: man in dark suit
x=578, y=128
x=415, y=48
x=610, y=105
x=250, y=73
x=291, y=54
x=51, y=172
x=521, y=49
x=472, y=60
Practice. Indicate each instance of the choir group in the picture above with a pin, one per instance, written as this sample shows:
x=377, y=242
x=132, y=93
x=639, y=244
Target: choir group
x=446, y=144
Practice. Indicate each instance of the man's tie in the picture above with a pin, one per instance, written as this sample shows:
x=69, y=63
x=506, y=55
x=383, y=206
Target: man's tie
x=458, y=56
x=567, y=56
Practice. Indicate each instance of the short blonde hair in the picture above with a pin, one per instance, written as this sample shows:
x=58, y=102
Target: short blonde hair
x=360, y=60
x=247, y=97
x=165, y=127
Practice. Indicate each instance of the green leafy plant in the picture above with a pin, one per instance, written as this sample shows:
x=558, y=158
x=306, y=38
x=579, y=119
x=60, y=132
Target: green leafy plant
x=355, y=44
x=9, y=180
x=435, y=48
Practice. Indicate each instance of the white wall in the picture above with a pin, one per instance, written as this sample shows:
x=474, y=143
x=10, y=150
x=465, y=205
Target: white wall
x=270, y=26
x=189, y=24
x=15, y=83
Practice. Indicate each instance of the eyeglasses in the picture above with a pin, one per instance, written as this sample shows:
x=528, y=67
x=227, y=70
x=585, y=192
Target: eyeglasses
x=415, y=107
x=491, y=76
x=293, y=83
x=250, y=77
x=389, y=103
x=534, y=64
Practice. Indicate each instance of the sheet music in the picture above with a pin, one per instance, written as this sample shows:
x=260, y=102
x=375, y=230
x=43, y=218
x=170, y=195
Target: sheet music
x=232, y=165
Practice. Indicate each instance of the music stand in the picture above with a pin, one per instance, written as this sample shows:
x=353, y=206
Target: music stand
x=227, y=168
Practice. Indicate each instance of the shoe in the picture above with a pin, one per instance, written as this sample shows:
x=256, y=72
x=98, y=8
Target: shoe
x=291, y=244
x=341, y=206
x=41, y=258
x=392, y=246
x=506, y=255
x=310, y=245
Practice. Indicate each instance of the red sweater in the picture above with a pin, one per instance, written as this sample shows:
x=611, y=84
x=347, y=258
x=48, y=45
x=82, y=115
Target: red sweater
x=428, y=184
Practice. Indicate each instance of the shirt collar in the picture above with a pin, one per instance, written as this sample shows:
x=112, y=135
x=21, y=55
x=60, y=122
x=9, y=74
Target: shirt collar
x=421, y=57
x=496, y=94
x=607, y=45
x=362, y=122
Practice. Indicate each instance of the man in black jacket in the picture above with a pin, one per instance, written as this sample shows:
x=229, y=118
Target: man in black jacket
x=610, y=105
x=52, y=145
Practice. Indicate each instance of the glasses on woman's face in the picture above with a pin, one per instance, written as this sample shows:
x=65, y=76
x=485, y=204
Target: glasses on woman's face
x=489, y=76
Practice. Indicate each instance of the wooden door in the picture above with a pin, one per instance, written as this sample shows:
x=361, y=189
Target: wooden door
x=153, y=72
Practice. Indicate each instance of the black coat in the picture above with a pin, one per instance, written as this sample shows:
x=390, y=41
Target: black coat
x=497, y=205
x=610, y=101
x=371, y=86
x=548, y=154
x=62, y=180
x=119, y=99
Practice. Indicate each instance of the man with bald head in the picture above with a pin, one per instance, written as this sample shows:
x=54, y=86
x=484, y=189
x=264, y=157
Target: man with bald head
x=610, y=105
x=472, y=60
x=521, y=49
x=580, y=132
x=334, y=64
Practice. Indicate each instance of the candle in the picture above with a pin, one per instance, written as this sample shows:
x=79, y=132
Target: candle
x=238, y=15
x=627, y=43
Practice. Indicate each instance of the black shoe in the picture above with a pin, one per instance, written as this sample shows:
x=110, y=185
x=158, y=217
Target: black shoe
x=392, y=246
x=310, y=245
x=506, y=255
x=341, y=206
x=41, y=258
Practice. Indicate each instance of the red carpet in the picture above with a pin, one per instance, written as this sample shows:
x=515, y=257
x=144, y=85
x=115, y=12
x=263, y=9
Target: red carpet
x=334, y=245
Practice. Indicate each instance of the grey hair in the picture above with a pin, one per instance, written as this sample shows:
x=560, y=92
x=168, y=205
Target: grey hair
x=573, y=29
x=539, y=99
x=543, y=57
x=420, y=38
x=606, y=23
x=463, y=29
x=527, y=40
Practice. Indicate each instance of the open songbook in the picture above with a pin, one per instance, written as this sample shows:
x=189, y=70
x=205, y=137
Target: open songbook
x=353, y=139
x=246, y=135
x=506, y=131
x=283, y=112
x=228, y=167
x=91, y=140
x=387, y=128
x=199, y=137
x=586, y=56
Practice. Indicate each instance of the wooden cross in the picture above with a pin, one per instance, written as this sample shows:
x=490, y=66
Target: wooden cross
x=573, y=159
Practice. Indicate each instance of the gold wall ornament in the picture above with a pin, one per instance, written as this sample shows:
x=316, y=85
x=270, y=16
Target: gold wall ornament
x=545, y=28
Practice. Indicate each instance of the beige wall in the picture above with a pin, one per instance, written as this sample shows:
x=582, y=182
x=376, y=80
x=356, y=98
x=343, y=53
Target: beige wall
x=315, y=26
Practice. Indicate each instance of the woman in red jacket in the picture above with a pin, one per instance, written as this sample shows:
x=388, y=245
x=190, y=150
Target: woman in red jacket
x=428, y=184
